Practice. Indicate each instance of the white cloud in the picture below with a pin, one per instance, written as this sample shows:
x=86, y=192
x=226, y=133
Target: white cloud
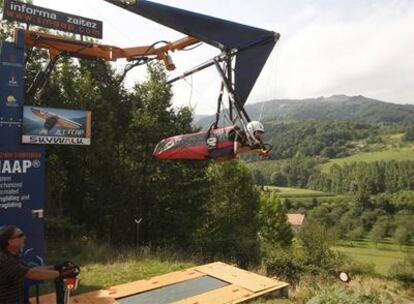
x=369, y=56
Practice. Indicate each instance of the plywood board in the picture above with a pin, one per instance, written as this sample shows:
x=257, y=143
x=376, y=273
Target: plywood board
x=243, y=286
x=237, y=276
x=127, y=289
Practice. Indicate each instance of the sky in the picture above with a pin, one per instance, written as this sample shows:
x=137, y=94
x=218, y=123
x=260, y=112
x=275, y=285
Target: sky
x=327, y=47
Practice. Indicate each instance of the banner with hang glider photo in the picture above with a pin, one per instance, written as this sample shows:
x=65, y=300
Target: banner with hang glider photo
x=56, y=126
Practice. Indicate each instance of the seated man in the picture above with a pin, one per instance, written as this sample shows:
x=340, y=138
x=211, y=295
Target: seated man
x=13, y=270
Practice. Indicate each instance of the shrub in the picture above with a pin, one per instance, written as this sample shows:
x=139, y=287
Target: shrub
x=283, y=264
x=316, y=241
x=354, y=267
x=229, y=226
x=336, y=295
x=59, y=229
x=274, y=230
x=404, y=271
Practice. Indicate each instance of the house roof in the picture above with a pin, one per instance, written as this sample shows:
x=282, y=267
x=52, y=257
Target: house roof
x=295, y=219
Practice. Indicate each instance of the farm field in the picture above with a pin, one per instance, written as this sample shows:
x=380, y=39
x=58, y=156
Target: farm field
x=386, y=155
x=285, y=192
x=382, y=257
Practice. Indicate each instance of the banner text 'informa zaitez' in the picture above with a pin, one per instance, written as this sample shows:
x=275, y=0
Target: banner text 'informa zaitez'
x=36, y=15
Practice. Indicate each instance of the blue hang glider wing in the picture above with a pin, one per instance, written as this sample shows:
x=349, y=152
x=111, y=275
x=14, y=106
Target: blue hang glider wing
x=253, y=45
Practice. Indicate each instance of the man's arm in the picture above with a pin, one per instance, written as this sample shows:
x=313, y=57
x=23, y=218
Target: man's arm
x=239, y=147
x=42, y=273
x=50, y=267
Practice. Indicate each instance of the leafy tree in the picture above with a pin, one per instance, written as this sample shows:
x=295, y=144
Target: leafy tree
x=409, y=135
x=165, y=192
x=365, y=179
x=328, y=152
x=316, y=242
x=278, y=179
x=283, y=263
x=274, y=231
x=258, y=178
x=230, y=222
x=356, y=234
x=378, y=232
x=402, y=236
x=104, y=187
x=369, y=217
x=313, y=138
x=321, y=215
x=298, y=170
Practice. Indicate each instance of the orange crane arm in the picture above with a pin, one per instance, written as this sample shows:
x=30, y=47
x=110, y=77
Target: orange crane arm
x=61, y=45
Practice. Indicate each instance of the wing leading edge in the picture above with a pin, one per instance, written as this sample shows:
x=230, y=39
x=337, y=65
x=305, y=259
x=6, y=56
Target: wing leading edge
x=253, y=45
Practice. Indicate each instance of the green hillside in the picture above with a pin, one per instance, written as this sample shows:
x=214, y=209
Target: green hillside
x=358, y=109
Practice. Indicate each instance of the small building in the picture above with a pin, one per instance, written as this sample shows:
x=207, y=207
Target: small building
x=296, y=220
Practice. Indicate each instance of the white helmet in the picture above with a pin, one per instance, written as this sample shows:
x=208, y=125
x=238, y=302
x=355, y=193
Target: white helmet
x=254, y=126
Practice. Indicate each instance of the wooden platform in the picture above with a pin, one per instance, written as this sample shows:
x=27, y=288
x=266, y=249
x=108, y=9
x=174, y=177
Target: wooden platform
x=240, y=286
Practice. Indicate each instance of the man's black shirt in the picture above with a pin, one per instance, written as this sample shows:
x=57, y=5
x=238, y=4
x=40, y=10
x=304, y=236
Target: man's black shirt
x=12, y=272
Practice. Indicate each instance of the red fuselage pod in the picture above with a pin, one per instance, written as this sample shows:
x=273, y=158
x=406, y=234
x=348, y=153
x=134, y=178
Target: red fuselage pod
x=206, y=144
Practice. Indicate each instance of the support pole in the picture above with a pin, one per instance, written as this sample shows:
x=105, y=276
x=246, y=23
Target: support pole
x=137, y=222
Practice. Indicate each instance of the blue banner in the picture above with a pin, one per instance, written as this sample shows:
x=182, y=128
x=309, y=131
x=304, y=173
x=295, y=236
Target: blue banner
x=21, y=196
x=22, y=167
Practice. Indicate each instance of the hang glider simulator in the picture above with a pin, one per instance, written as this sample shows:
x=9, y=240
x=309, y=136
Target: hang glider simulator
x=244, y=51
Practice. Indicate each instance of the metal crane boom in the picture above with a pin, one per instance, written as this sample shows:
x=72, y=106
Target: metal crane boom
x=58, y=45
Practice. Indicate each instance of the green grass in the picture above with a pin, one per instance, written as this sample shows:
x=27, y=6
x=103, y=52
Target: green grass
x=382, y=256
x=286, y=192
x=386, y=155
x=98, y=276
x=103, y=266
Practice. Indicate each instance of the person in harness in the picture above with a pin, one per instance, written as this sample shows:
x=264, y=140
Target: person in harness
x=249, y=141
x=243, y=142
x=215, y=144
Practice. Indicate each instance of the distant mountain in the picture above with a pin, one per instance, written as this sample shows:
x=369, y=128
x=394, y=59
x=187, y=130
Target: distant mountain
x=358, y=109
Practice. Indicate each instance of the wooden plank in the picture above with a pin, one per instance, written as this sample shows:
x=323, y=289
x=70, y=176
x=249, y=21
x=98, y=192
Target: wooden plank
x=51, y=299
x=224, y=295
x=132, y=288
x=80, y=299
x=97, y=297
x=264, y=292
x=239, y=277
x=46, y=299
